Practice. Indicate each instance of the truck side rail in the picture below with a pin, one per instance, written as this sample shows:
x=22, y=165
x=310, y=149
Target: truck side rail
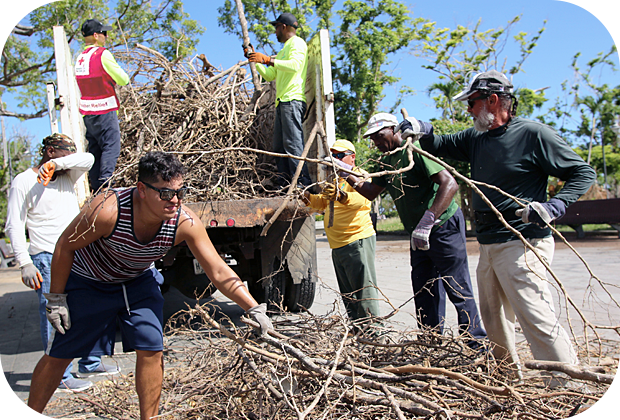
x=247, y=213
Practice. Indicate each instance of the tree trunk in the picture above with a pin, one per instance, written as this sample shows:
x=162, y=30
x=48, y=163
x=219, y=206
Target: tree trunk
x=246, y=42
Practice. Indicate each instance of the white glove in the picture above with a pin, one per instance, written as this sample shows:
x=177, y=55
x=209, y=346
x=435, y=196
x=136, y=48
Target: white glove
x=259, y=314
x=57, y=311
x=419, y=237
x=31, y=276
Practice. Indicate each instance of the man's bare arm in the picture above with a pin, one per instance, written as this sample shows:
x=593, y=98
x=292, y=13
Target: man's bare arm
x=96, y=220
x=192, y=231
x=446, y=191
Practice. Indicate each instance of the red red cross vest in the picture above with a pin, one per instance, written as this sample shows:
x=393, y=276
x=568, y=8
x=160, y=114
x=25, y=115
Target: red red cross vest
x=96, y=85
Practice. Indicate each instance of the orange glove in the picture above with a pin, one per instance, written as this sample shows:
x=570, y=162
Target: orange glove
x=248, y=50
x=257, y=57
x=46, y=171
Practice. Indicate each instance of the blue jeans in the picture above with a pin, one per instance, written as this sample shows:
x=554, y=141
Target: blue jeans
x=288, y=137
x=43, y=263
x=104, y=143
x=446, y=260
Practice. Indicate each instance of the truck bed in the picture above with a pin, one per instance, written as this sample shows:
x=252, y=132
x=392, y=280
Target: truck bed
x=247, y=213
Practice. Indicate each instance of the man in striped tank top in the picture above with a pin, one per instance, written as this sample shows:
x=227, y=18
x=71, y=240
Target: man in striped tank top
x=103, y=270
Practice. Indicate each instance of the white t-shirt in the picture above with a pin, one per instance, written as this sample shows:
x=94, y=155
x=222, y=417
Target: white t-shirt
x=44, y=211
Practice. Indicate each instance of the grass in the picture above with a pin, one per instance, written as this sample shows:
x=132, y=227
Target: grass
x=391, y=224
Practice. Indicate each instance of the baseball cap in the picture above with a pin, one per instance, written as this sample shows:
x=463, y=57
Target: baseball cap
x=380, y=121
x=343, y=146
x=490, y=81
x=287, y=19
x=92, y=25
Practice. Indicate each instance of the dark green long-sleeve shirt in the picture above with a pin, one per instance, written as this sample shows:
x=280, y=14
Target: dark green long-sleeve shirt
x=518, y=158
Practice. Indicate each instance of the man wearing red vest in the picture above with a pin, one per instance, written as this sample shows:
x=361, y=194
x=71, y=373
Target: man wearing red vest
x=97, y=74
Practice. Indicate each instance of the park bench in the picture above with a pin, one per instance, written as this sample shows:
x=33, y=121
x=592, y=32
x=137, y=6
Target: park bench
x=7, y=257
x=592, y=212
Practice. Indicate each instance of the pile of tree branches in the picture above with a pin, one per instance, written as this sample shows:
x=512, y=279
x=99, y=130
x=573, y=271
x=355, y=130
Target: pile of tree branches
x=318, y=367
x=220, y=127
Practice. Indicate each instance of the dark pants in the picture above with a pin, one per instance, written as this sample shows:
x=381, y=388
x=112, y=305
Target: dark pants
x=446, y=260
x=288, y=137
x=104, y=143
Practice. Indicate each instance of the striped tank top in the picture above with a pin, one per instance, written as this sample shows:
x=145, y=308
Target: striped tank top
x=121, y=257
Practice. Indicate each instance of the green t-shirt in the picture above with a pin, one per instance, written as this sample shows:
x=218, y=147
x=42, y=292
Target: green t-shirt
x=413, y=191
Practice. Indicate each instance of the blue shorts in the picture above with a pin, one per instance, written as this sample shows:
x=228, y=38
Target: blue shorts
x=94, y=308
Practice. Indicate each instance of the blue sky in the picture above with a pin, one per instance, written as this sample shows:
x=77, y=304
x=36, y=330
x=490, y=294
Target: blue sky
x=570, y=29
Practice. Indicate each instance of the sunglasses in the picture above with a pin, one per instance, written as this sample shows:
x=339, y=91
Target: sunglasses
x=341, y=155
x=472, y=102
x=104, y=33
x=167, y=194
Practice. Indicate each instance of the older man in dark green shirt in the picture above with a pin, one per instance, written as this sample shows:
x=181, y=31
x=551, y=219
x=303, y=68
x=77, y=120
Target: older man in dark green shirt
x=516, y=155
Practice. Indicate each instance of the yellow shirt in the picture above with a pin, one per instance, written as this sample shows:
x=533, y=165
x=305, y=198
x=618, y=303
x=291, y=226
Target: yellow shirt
x=351, y=218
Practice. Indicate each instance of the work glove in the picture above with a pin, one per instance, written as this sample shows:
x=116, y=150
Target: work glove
x=419, y=237
x=247, y=50
x=259, y=314
x=31, y=276
x=410, y=127
x=46, y=171
x=330, y=192
x=542, y=213
x=57, y=311
x=256, y=57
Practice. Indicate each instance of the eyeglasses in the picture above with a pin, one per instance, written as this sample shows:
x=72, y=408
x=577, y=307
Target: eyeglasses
x=341, y=155
x=167, y=194
x=472, y=102
x=104, y=33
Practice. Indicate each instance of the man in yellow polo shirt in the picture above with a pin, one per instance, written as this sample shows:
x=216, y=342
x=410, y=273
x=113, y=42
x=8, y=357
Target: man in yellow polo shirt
x=352, y=240
x=289, y=71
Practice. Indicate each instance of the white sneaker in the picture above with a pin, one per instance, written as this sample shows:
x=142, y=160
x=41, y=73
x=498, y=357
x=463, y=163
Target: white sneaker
x=102, y=369
x=74, y=385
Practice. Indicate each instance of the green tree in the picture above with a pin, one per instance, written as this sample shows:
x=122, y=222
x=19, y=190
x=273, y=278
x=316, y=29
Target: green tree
x=20, y=157
x=588, y=113
x=456, y=55
x=28, y=56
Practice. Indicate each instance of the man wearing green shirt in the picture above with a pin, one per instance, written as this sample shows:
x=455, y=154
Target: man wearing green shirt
x=289, y=71
x=424, y=199
x=517, y=156
x=97, y=74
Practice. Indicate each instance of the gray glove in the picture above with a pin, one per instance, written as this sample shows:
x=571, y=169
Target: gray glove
x=57, y=311
x=259, y=314
x=542, y=213
x=412, y=127
x=31, y=276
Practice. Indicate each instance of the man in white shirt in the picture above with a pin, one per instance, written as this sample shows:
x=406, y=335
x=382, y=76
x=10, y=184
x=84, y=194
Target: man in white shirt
x=42, y=199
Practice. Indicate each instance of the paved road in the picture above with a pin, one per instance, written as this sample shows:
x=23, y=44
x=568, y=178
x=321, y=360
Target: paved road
x=20, y=346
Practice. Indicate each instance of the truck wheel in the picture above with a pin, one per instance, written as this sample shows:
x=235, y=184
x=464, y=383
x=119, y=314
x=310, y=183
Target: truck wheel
x=300, y=296
x=276, y=291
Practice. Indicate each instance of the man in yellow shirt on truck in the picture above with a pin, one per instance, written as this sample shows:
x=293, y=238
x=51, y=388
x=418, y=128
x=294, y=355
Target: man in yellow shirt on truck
x=288, y=69
x=352, y=239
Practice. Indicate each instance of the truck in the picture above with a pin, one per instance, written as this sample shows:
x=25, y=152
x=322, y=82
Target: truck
x=269, y=242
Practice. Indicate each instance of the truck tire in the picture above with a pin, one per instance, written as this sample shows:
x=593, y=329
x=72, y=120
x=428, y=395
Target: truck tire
x=276, y=291
x=300, y=296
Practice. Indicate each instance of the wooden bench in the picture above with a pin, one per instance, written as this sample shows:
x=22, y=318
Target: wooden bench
x=592, y=212
x=7, y=257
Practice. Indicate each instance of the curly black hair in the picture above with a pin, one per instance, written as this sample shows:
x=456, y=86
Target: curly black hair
x=155, y=165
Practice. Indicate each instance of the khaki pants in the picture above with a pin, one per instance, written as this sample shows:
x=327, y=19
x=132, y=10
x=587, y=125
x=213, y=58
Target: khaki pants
x=512, y=283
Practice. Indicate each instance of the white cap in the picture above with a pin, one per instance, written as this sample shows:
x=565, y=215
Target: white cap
x=380, y=121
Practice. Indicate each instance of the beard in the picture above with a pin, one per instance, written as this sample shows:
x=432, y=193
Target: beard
x=484, y=121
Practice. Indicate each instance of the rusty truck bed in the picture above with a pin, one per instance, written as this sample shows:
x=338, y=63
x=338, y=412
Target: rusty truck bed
x=247, y=213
